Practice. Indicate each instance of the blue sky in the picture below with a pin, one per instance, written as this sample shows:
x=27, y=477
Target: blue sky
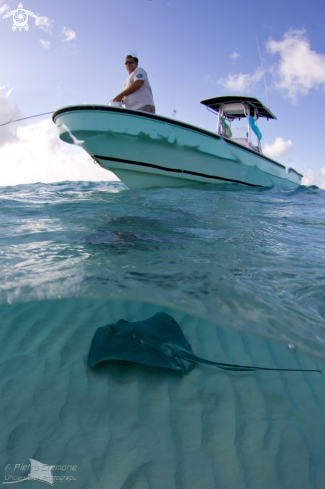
x=74, y=53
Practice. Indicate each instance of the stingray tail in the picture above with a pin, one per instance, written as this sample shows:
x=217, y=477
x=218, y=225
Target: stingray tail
x=227, y=366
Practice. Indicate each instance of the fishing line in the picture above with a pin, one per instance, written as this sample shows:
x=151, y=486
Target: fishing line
x=267, y=97
x=24, y=118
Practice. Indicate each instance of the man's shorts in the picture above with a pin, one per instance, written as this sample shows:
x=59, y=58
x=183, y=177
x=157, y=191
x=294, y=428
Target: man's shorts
x=148, y=108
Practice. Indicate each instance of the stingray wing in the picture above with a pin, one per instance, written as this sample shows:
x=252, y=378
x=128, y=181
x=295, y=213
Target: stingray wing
x=8, y=14
x=167, y=328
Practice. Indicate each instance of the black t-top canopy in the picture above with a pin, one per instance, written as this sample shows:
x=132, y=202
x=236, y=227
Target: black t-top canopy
x=216, y=102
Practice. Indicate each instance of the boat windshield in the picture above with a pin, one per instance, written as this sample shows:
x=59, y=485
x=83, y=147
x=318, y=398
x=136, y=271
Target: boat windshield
x=248, y=135
x=238, y=108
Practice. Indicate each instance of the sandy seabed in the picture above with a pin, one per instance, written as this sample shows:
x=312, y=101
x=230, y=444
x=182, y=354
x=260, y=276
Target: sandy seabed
x=128, y=426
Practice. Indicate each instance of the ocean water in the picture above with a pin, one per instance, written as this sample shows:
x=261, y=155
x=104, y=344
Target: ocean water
x=241, y=270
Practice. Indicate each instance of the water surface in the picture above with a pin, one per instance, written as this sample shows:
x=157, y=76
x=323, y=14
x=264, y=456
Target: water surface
x=249, y=259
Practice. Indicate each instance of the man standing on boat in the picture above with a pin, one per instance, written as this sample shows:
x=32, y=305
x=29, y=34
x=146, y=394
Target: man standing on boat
x=137, y=93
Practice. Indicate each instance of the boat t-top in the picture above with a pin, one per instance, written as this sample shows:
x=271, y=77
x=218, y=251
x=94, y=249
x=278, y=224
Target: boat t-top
x=148, y=150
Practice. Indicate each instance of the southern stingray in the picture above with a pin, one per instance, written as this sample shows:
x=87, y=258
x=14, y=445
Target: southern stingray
x=157, y=341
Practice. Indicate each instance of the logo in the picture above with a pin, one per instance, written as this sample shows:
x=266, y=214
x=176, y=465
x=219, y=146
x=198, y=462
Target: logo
x=139, y=75
x=20, y=18
x=39, y=472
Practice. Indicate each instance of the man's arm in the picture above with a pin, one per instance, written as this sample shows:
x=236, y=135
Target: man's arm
x=132, y=88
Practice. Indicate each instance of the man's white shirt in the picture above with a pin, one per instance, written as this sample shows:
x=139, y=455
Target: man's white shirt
x=142, y=96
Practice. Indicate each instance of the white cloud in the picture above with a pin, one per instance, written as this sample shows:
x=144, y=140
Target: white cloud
x=234, y=56
x=4, y=8
x=241, y=82
x=45, y=44
x=44, y=23
x=9, y=91
x=300, y=69
x=69, y=34
x=8, y=133
x=38, y=155
x=279, y=147
x=312, y=177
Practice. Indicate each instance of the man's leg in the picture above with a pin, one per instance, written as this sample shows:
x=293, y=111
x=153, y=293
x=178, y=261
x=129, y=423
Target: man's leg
x=148, y=108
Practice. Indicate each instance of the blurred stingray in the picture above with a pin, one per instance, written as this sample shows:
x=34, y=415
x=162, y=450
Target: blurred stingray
x=157, y=341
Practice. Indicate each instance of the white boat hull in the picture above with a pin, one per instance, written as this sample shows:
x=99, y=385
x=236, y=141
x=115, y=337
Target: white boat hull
x=146, y=150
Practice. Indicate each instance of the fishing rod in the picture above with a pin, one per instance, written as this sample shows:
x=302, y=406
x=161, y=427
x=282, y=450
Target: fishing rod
x=24, y=118
x=267, y=97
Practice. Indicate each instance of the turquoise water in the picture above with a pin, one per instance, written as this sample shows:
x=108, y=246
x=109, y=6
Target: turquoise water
x=240, y=269
x=248, y=259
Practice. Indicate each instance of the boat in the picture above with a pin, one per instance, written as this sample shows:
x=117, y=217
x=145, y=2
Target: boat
x=148, y=150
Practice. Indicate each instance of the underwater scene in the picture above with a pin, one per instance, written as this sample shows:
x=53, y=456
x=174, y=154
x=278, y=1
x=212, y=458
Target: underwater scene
x=162, y=338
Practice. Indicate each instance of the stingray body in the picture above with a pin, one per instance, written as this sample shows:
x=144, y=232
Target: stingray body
x=157, y=341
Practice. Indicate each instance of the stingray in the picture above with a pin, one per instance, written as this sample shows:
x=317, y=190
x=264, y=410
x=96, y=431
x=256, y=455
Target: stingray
x=158, y=342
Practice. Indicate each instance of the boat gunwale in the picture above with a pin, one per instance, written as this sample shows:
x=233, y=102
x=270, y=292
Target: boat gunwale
x=148, y=115
x=295, y=171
